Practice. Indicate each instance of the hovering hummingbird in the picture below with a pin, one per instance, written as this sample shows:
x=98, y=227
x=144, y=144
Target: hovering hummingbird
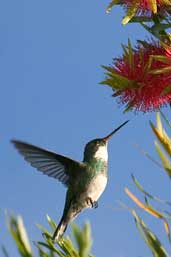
x=85, y=180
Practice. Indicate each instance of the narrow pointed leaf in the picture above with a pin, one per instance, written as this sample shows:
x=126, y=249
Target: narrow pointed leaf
x=140, y=19
x=83, y=239
x=148, y=208
x=108, y=68
x=167, y=230
x=51, y=222
x=68, y=248
x=116, y=81
x=130, y=57
x=141, y=205
x=23, y=234
x=128, y=107
x=109, y=7
x=51, y=248
x=150, y=238
x=149, y=157
x=166, y=162
x=42, y=253
x=130, y=14
x=161, y=58
x=160, y=71
x=19, y=235
x=45, y=231
x=159, y=123
x=139, y=186
x=166, y=90
x=163, y=138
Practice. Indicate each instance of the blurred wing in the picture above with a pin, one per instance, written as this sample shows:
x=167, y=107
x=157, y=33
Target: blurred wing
x=51, y=164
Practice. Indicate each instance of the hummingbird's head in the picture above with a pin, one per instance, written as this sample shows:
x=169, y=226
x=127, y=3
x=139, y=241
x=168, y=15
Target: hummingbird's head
x=97, y=148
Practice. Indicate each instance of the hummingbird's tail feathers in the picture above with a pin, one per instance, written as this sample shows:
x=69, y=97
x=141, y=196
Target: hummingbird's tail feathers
x=70, y=212
x=60, y=230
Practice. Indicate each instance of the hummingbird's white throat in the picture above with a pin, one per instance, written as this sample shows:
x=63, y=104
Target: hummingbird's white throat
x=101, y=153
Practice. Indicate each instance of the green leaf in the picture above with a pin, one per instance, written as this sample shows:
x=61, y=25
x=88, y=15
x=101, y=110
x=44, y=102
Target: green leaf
x=128, y=107
x=150, y=157
x=23, y=234
x=146, y=208
x=116, y=81
x=158, y=121
x=166, y=90
x=42, y=253
x=67, y=246
x=139, y=186
x=108, y=68
x=130, y=14
x=51, y=222
x=150, y=30
x=130, y=56
x=161, y=58
x=140, y=19
x=160, y=71
x=83, y=239
x=163, y=138
x=149, y=237
x=166, y=162
x=109, y=7
x=63, y=248
x=18, y=232
x=46, y=233
x=51, y=248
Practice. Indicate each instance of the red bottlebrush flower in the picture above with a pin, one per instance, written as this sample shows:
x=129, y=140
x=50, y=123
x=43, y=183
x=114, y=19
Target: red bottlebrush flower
x=142, y=9
x=141, y=78
x=145, y=6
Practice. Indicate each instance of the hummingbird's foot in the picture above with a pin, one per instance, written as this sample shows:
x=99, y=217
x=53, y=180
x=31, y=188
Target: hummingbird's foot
x=95, y=204
x=91, y=203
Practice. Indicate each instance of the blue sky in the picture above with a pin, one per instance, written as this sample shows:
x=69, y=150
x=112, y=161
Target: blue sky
x=50, y=57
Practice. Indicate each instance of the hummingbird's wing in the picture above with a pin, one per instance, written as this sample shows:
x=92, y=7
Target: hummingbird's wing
x=54, y=165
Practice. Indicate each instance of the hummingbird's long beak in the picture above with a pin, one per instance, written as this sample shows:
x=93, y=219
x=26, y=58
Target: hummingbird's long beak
x=114, y=131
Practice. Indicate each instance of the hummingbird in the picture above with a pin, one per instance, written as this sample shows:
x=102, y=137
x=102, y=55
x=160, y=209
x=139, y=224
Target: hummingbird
x=85, y=181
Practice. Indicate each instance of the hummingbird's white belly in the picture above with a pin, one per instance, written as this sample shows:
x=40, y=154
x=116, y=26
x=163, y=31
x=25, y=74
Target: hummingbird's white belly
x=96, y=187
